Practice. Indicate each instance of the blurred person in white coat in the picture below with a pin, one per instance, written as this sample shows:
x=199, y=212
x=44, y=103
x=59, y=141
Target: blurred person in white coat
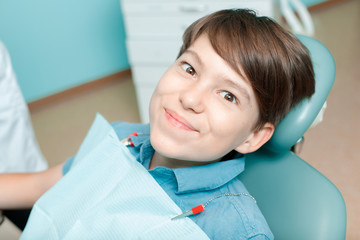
x=19, y=150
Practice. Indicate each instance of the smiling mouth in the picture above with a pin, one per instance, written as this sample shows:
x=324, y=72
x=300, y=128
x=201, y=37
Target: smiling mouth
x=178, y=122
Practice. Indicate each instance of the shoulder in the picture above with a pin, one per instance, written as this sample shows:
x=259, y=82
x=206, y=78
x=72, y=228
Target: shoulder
x=234, y=216
x=124, y=129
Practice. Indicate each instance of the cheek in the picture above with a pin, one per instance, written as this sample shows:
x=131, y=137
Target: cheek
x=152, y=106
x=167, y=80
x=230, y=125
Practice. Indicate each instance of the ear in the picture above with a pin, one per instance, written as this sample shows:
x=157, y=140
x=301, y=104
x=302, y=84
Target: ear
x=256, y=139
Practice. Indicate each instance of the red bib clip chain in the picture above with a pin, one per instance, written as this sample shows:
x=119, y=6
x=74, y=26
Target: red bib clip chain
x=201, y=207
x=127, y=141
x=193, y=211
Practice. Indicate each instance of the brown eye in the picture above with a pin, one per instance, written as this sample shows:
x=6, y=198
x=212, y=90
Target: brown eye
x=189, y=69
x=228, y=96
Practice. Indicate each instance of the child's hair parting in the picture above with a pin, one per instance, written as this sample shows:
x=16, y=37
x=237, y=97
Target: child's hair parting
x=273, y=61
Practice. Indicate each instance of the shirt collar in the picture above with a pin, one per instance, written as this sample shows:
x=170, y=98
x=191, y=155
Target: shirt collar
x=142, y=142
x=209, y=176
x=196, y=178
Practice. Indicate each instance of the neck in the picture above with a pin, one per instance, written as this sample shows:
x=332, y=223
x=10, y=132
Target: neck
x=160, y=160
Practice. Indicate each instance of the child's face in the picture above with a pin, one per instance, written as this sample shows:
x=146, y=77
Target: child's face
x=202, y=109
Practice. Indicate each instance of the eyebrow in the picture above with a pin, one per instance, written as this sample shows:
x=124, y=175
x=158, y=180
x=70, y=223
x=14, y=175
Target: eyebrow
x=195, y=55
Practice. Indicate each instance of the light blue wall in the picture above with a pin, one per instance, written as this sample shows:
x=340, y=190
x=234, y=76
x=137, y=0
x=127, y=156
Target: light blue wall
x=312, y=2
x=58, y=44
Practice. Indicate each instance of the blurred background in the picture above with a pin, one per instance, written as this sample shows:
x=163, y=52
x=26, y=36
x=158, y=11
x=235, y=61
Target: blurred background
x=71, y=61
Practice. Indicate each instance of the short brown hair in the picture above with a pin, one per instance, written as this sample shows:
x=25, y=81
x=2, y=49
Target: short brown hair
x=272, y=60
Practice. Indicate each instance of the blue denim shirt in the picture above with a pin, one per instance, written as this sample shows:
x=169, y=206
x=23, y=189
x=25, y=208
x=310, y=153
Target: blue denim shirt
x=231, y=212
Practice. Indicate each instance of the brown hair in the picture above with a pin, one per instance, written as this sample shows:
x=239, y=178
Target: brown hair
x=272, y=60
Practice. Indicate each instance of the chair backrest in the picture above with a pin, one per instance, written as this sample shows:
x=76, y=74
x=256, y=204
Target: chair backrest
x=297, y=200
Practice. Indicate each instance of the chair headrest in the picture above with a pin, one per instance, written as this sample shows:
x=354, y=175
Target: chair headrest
x=300, y=118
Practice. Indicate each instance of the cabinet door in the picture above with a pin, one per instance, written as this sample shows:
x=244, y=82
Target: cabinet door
x=152, y=53
x=148, y=75
x=168, y=19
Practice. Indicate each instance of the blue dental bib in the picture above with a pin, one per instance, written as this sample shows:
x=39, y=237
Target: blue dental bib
x=107, y=194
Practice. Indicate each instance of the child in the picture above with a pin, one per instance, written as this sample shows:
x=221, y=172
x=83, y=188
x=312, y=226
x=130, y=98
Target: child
x=236, y=77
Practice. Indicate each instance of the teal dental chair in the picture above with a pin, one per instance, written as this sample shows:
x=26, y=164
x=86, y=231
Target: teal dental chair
x=297, y=200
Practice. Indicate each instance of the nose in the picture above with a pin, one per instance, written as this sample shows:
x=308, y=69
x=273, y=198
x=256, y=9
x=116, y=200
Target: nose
x=192, y=98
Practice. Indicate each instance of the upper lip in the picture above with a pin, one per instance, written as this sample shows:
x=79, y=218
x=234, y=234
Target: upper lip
x=180, y=119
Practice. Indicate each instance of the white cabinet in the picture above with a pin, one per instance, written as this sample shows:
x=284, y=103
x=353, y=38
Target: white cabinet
x=154, y=35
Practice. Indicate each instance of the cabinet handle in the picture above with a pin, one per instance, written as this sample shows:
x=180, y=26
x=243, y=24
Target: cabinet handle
x=193, y=8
